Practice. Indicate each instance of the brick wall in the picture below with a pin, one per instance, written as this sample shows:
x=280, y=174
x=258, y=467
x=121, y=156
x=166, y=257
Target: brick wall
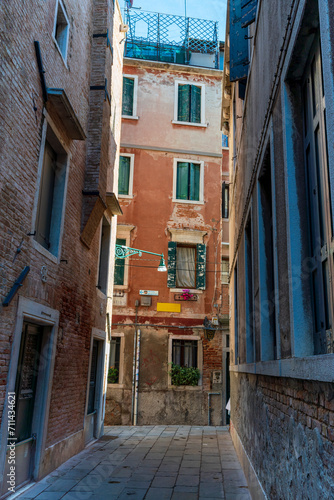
x=287, y=426
x=70, y=287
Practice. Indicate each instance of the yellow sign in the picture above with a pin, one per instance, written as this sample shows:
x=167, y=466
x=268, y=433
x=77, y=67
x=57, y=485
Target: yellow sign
x=172, y=308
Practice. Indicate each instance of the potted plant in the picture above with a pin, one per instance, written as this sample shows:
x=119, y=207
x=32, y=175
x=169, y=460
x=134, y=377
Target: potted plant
x=184, y=375
x=113, y=375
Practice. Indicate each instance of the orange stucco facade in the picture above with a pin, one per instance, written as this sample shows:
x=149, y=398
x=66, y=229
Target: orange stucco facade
x=152, y=217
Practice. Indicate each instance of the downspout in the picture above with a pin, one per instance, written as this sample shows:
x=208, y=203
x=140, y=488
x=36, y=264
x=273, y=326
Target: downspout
x=209, y=404
x=137, y=380
x=134, y=364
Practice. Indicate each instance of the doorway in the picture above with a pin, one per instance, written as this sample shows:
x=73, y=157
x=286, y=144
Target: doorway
x=22, y=430
x=95, y=391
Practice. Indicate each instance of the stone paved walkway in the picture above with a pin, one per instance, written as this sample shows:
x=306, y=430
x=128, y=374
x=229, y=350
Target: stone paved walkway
x=151, y=463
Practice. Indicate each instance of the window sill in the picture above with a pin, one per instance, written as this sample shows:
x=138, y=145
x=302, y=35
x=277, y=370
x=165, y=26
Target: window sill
x=190, y=202
x=115, y=386
x=45, y=252
x=310, y=368
x=182, y=388
x=191, y=124
x=179, y=290
x=126, y=196
x=121, y=287
x=128, y=117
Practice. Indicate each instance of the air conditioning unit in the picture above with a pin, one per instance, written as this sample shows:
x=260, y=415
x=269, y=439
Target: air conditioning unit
x=123, y=28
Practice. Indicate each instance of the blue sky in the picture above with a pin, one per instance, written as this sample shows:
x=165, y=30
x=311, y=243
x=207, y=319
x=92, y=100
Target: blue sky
x=214, y=10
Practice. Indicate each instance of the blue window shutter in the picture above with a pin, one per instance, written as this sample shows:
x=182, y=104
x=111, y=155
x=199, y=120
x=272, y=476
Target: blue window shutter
x=124, y=175
x=171, y=267
x=183, y=107
x=201, y=267
x=238, y=44
x=248, y=12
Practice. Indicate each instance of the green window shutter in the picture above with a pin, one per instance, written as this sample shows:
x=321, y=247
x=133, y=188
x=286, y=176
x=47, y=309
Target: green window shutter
x=183, y=103
x=124, y=175
x=182, y=181
x=119, y=266
x=195, y=169
x=196, y=95
x=128, y=90
x=171, y=276
x=201, y=267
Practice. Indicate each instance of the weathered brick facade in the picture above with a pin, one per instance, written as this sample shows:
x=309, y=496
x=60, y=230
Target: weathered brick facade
x=60, y=291
x=278, y=110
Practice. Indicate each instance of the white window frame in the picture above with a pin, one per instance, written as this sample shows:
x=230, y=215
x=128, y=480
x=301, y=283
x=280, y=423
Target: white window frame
x=123, y=232
x=135, y=97
x=132, y=164
x=176, y=102
x=121, y=361
x=55, y=258
x=199, y=361
x=225, y=274
x=201, y=181
x=59, y=4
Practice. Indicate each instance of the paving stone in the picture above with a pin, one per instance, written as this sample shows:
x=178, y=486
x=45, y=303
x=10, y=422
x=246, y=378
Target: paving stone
x=62, y=485
x=132, y=493
x=164, y=481
x=159, y=494
x=183, y=480
x=211, y=490
x=50, y=495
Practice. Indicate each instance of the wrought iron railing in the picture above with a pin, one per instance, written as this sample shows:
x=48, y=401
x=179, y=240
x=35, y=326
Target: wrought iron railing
x=168, y=38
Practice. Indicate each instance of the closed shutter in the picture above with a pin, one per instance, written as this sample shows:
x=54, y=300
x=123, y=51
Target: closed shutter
x=194, y=181
x=183, y=103
x=195, y=112
x=124, y=175
x=171, y=276
x=119, y=266
x=239, y=46
x=248, y=12
x=127, y=102
x=182, y=181
x=201, y=267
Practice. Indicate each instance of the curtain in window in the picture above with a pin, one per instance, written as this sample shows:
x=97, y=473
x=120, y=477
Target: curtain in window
x=195, y=113
x=127, y=102
x=119, y=266
x=185, y=267
x=124, y=175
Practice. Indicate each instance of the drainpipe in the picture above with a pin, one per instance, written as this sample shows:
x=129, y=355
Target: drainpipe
x=209, y=404
x=137, y=380
x=134, y=364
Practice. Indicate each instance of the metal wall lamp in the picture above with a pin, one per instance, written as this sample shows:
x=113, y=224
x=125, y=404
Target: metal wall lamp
x=122, y=252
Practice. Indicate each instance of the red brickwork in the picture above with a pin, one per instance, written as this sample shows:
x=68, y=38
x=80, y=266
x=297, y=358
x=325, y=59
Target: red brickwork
x=71, y=284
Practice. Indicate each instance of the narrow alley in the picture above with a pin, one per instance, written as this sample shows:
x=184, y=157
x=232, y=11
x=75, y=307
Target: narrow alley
x=151, y=463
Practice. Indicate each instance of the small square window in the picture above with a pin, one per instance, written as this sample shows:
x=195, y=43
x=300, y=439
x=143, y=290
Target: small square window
x=61, y=29
x=188, y=181
x=129, y=98
x=185, y=352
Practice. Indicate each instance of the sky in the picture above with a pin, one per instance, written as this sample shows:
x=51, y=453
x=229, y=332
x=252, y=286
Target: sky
x=213, y=10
